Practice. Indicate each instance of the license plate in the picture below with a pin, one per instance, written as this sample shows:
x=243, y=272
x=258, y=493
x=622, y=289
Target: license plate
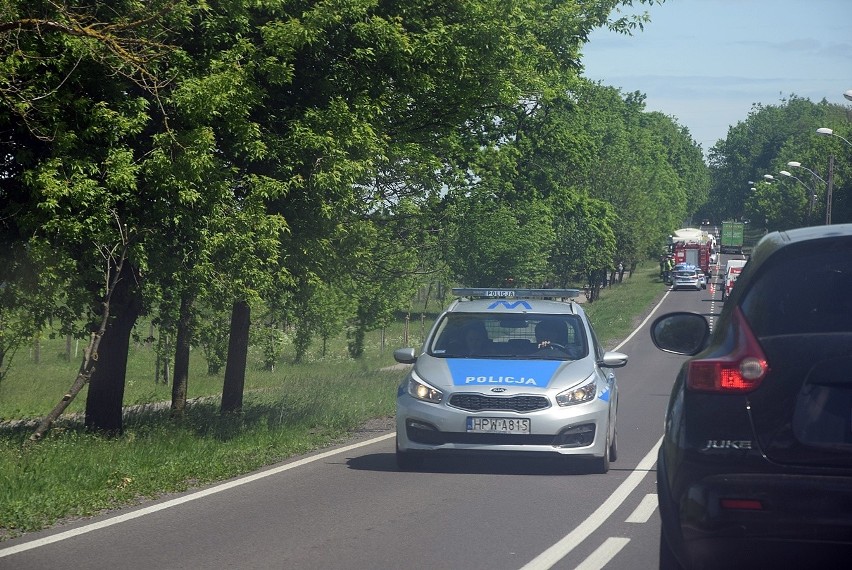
x=498, y=425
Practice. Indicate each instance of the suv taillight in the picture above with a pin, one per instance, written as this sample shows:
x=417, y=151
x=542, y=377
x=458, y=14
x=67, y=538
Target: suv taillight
x=740, y=371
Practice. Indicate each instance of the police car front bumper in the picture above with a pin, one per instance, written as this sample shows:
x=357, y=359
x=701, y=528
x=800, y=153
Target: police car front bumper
x=570, y=430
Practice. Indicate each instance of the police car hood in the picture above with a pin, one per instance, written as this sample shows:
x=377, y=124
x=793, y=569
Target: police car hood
x=516, y=375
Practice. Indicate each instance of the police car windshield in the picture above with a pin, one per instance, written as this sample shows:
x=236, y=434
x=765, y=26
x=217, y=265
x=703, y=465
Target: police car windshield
x=472, y=335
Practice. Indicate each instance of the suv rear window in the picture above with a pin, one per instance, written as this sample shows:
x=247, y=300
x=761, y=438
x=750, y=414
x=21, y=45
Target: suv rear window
x=803, y=290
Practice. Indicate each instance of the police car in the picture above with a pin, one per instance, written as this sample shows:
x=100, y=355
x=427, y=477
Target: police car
x=687, y=276
x=515, y=370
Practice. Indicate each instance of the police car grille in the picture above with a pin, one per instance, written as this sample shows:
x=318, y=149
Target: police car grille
x=478, y=402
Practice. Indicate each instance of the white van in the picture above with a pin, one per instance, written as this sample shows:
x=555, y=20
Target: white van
x=732, y=271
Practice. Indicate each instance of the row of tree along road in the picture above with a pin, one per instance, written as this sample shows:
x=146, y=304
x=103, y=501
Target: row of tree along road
x=230, y=174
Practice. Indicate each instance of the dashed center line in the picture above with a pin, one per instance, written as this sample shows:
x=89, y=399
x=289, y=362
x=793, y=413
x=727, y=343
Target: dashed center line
x=604, y=553
x=645, y=509
x=566, y=544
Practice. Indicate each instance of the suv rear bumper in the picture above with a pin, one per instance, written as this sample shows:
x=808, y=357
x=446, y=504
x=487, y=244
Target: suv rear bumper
x=801, y=519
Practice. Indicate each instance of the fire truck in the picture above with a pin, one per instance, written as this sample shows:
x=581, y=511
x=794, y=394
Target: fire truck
x=693, y=248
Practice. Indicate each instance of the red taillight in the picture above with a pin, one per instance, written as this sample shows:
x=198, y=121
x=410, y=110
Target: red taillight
x=740, y=371
x=741, y=504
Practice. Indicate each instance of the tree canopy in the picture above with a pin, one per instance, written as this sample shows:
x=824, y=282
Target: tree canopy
x=250, y=155
x=771, y=137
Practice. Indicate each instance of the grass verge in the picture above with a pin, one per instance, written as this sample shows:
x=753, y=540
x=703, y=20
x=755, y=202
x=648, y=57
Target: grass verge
x=293, y=410
x=623, y=306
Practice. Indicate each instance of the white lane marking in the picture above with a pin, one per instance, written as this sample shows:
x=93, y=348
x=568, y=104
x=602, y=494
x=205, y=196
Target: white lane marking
x=605, y=552
x=715, y=276
x=571, y=540
x=185, y=499
x=645, y=509
x=642, y=324
x=565, y=545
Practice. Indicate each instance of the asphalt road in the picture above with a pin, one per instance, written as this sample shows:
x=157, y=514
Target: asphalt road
x=349, y=508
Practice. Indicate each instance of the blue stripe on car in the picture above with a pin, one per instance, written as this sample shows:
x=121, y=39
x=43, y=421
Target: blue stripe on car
x=526, y=373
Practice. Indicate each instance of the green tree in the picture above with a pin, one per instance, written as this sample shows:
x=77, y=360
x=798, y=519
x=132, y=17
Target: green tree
x=212, y=334
x=495, y=243
x=763, y=143
x=238, y=149
x=329, y=308
x=595, y=142
x=586, y=242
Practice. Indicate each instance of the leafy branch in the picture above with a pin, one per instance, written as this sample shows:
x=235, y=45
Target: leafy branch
x=128, y=46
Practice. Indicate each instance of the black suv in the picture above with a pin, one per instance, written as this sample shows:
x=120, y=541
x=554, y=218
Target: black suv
x=755, y=468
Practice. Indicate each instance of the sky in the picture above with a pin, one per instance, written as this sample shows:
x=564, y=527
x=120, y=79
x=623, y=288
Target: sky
x=705, y=62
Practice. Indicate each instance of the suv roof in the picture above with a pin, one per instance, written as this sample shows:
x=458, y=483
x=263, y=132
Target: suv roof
x=815, y=238
x=770, y=243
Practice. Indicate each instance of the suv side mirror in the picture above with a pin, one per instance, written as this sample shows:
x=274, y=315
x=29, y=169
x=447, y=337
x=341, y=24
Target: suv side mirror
x=681, y=333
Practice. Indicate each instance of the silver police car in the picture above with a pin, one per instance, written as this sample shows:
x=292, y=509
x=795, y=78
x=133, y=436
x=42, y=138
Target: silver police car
x=516, y=370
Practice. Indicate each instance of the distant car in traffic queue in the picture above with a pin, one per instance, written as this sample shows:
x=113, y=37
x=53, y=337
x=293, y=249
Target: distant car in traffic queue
x=687, y=276
x=516, y=371
x=755, y=468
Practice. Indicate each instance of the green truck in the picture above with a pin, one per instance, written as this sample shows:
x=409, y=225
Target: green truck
x=732, y=237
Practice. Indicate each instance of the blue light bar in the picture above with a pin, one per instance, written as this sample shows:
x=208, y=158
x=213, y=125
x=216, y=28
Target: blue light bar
x=516, y=293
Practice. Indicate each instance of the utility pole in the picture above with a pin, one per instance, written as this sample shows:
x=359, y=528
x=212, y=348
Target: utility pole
x=829, y=185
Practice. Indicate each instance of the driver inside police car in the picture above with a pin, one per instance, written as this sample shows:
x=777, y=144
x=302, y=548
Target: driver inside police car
x=549, y=333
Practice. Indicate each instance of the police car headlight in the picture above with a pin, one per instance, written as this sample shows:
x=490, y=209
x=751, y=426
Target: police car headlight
x=579, y=394
x=422, y=391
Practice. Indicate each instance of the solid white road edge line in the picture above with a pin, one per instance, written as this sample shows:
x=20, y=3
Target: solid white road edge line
x=571, y=540
x=642, y=324
x=185, y=499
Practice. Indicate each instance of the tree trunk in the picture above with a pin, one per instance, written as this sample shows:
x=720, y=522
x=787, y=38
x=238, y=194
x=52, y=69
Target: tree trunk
x=106, y=387
x=235, y=368
x=184, y=340
x=83, y=376
x=90, y=355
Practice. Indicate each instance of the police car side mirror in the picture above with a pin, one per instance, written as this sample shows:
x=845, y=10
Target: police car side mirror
x=404, y=355
x=613, y=360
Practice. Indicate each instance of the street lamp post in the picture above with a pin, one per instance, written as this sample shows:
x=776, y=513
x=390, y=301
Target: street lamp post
x=825, y=131
x=795, y=164
x=828, y=189
x=829, y=132
x=811, y=193
x=828, y=185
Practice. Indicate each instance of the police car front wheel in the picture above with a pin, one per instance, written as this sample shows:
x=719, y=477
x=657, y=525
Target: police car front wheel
x=408, y=461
